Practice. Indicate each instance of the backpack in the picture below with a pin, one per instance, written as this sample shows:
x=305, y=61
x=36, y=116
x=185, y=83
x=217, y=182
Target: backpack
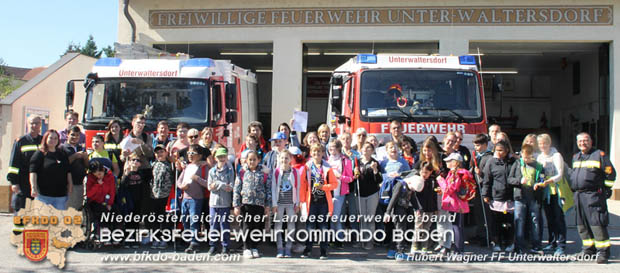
x=468, y=186
x=385, y=192
x=277, y=174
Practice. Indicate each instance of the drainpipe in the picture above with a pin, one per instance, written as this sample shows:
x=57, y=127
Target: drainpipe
x=131, y=22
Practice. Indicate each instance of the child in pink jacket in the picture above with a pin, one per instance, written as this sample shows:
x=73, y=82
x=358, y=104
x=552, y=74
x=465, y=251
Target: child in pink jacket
x=343, y=169
x=453, y=199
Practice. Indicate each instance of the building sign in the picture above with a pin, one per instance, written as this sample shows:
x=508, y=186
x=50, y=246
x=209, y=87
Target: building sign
x=397, y=16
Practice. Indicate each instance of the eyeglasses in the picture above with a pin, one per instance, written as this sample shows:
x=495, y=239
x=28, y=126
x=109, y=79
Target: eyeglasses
x=192, y=137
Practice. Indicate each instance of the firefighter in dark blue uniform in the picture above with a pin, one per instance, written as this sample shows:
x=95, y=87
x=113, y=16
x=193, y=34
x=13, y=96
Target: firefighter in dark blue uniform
x=592, y=178
x=23, y=149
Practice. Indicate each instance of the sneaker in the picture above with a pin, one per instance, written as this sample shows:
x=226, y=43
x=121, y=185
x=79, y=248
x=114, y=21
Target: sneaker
x=145, y=241
x=497, y=249
x=391, y=254
x=162, y=245
x=299, y=248
x=369, y=246
x=211, y=250
x=155, y=245
x=559, y=251
x=425, y=250
x=510, y=248
x=444, y=251
x=126, y=245
x=135, y=245
x=287, y=253
x=307, y=253
x=225, y=250
x=190, y=249
x=323, y=255
x=255, y=253
x=437, y=248
x=357, y=245
x=414, y=248
x=247, y=254
x=549, y=247
x=280, y=253
x=400, y=257
x=536, y=251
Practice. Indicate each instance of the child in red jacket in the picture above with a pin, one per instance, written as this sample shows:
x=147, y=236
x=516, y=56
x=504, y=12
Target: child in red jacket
x=100, y=191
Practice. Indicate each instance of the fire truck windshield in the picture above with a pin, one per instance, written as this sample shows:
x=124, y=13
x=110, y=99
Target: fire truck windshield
x=420, y=95
x=174, y=100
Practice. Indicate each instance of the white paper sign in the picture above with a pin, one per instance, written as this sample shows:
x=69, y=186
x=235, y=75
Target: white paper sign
x=300, y=123
x=127, y=144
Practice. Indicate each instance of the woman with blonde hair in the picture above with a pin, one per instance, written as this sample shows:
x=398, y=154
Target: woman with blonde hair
x=553, y=164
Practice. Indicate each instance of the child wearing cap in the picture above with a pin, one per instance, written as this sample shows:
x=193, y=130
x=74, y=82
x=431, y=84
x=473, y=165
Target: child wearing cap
x=452, y=189
x=160, y=188
x=278, y=144
x=221, y=181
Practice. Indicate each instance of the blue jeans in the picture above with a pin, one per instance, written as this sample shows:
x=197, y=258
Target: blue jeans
x=316, y=209
x=524, y=209
x=60, y=203
x=191, y=208
x=337, y=203
x=219, y=221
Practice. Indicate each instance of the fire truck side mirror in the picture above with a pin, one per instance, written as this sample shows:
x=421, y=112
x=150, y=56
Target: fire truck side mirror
x=231, y=117
x=337, y=83
x=70, y=94
x=231, y=96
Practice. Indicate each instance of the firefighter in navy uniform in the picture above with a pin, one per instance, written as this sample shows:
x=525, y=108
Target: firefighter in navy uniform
x=23, y=149
x=591, y=181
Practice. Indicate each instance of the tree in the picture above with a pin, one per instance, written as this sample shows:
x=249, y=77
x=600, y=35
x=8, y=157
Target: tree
x=7, y=82
x=109, y=51
x=90, y=48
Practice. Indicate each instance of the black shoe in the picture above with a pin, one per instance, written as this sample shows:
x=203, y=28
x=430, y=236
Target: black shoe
x=601, y=259
x=307, y=253
x=225, y=250
x=211, y=250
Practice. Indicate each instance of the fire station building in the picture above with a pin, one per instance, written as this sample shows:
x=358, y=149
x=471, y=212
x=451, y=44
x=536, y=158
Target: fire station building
x=556, y=60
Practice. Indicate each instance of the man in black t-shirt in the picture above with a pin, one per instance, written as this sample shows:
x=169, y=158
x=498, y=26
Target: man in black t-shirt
x=78, y=161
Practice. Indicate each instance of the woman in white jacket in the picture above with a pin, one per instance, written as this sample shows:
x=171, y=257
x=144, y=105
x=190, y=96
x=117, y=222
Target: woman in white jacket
x=553, y=164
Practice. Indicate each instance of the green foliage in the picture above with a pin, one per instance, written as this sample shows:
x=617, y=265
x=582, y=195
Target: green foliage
x=109, y=51
x=7, y=82
x=90, y=48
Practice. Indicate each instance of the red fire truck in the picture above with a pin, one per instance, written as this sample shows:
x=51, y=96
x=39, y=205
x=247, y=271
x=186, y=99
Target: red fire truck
x=431, y=95
x=201, y=92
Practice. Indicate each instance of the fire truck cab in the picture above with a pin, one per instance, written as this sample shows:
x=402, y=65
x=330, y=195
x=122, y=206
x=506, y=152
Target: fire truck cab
x=201, y=92
x=430, y=95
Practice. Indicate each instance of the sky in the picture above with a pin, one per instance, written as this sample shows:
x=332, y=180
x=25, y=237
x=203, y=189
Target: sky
x=37, y=32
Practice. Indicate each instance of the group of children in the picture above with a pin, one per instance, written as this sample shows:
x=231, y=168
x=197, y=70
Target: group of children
x=334, y=180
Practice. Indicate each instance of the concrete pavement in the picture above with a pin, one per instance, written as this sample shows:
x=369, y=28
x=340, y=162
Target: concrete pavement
x=346, y=260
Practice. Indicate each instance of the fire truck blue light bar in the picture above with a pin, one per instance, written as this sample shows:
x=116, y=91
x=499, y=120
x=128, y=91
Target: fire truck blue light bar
x=198, y=62
x=467, y=60
x=108, y=62
x=367, y=58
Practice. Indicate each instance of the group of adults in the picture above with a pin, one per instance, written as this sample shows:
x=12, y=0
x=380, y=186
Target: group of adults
x=51, y=168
